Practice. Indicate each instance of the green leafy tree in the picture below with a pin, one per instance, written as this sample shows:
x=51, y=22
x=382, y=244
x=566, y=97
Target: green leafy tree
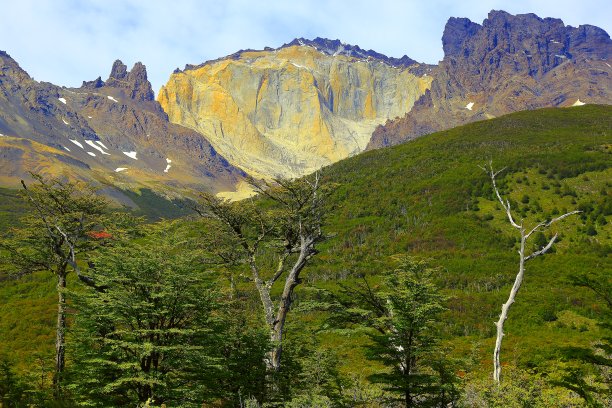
x=12, y=389
x=51, y=238
x=320, y=383
x=243, y=370
x=519, y=389
x=407, y=340
x=149, y=334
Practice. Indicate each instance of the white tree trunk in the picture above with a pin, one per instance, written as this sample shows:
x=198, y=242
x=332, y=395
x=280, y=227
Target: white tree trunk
x=504, y=313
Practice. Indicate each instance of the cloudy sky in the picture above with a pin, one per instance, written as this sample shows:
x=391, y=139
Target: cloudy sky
x=68, y=41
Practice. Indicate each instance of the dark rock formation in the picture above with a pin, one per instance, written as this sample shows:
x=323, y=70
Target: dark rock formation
x=336, y=47
x=139, y=83
x=96, y=83
x=507, y=64
x=134, y=83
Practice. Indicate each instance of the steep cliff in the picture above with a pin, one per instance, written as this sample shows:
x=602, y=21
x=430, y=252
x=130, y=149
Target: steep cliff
x=292, y=110
x=507, y=64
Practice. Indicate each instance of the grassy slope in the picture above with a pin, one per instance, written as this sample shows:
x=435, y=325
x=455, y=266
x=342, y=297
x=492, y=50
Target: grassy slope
x=429, y=198
x=11, y=207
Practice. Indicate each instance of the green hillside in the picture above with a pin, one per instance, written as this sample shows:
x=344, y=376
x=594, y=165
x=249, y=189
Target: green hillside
x=429, y=198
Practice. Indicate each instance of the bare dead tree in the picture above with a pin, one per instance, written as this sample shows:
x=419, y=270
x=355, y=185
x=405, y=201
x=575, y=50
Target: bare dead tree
x=291, y=230
x=525, y=233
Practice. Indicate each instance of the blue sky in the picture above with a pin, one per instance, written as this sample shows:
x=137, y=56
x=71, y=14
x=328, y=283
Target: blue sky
x=68, y=41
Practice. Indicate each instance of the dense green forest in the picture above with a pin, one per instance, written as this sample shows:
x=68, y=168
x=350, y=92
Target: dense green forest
x=417, y=224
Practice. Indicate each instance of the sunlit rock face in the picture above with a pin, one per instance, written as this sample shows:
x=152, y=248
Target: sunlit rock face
x=289, y=111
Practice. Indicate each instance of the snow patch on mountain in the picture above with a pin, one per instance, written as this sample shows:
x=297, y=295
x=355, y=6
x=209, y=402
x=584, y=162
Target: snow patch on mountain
x=131, y=155
x=95, y=146
x=76, y=142
x=101, y=144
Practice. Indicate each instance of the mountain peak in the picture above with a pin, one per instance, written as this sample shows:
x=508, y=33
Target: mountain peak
x=141, y=87
x=118, y=71
x=456, y=31
x=134, y=82
x=337, y=47
x=521, y=34
x=96, y=83
x=9, y=65
x=507, y=63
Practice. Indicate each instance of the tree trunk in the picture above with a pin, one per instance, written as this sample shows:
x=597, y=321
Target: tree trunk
x=505, y=307
x=60, y=333
x=276, y=332
x=274, y=355
x=272, y=359
x=285, y=303
x=408, y=370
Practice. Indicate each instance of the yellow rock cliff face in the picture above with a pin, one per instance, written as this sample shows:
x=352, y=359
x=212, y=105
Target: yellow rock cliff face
x=289, y=111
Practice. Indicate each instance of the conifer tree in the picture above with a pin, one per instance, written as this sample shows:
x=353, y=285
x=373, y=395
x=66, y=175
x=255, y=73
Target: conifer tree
x=407, y=339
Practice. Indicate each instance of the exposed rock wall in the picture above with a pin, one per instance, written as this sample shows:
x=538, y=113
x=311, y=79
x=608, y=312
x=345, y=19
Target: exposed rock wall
x=290, y=111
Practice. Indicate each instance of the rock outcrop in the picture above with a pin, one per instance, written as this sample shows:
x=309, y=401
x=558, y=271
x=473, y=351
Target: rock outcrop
x=292, y=110
x=109, y=132
x=507, y=64
x=134, y=82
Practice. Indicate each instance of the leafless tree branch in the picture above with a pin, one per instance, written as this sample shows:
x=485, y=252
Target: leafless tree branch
x=524, y=235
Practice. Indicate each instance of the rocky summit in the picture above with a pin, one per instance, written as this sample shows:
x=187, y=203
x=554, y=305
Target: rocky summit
x=109, y=132
x=291, y=110
x=507, y=64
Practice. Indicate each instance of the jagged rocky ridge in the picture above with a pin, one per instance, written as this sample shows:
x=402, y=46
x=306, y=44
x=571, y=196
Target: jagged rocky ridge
x=291, y=110
x=331, y=48
x=507, y=64
x=109, y=132
x=337, y=47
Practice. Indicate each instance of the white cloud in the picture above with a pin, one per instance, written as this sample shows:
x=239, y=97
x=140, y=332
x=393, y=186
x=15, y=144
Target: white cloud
x=68, y=41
